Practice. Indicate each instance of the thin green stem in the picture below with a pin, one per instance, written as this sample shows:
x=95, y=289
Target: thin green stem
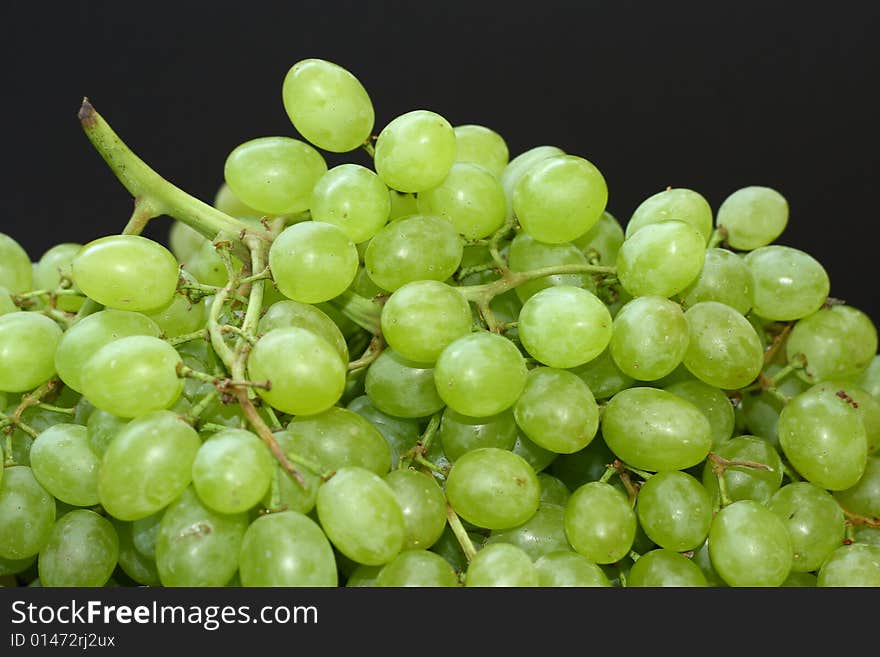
x=460, y=533
x=610, y=471
x=57, y=409
x=719, y=235
x=494, y=241
x=192, y=416
x=373, y=351
x=487, y=291
x=241, y=333
x=362, y=311
x=635, y=556
x=201, y=334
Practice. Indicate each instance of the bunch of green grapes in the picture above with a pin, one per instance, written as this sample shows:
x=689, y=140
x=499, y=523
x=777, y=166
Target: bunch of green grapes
x=447, y=369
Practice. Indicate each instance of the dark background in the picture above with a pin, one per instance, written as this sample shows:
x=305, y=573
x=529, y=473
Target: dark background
x=711, y=96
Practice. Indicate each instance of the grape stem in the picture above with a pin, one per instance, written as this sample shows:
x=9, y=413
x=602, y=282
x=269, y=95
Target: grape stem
x=57, y=409
x=460, y=534
x=856, y=519
x=221, y=383
x=423, y=444
x=719, y=466
x=362, y=311
x=373, y=351
x=778, y=340
x=201, y=334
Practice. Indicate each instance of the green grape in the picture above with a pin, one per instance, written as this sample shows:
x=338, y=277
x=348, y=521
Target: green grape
x=421, y=318
x=184, y=241
x=460, y=434
x=148, y=464
x=126, y=272
x=481, y=145
x=415, y=151
x=274, y=175
x=286, y=549
x=402, y=388
x=714, y=404
x=412, y=249
x=665, y=568
x=339, y=438
x=417, y=568
x=745, y=482
x=602, y=241
x=28, y=342
x=360, y=515
x=53, y=264
x=865, y=404
x=557, y=411
x=144, y=533
x=863, y=498
x=132, y=376
x=229, y=203
x=814, y=521
x=7, y=305
x=869, y=380
x=518, y=166
x=650, y=337
x=352, y=198
x=480, y=374
x=27, y=513
x=181, y=316
x=838, y=343
x=704, y=562
x=39, y=420
x=724, y=350
x=82, y=551
x=851, y=565
x=600, y=523
x=423, y=505
x=305, y=370
x=401, y=434
x=15, y=566
x=661, y=259
x=750, y=546
x=137, y=566
x=553, y=490
x=655, y=430
x=527, y=254
x=493, y=488
x=363, y=576
x=285, y=493
x=287, y=313
x=541, y=534
x=327, y=105
x=206, y=265
x=796, y=579
x=866, y=534
x=753, y=217
x=82, y=340
x=402, y=205
x=197, y=545
x=824, y=438
x=589, y=464
x=313, y=261
x=502, y=565
x=674, y=510
x=470, y=198
x=64, y=463
x=560, y=198
x=724, y=278
x=16, y=270
x=603, y=376
x=564, y=326
x=232, y=471
x=761, y=411
x=566, y=568
x=679, y=204
x=535, y=455
x=787, y=283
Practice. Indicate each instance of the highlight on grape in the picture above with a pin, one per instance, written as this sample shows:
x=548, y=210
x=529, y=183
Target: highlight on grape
x=447, y=368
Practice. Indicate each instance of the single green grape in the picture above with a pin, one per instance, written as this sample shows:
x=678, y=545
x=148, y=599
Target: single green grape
x=564, y=326
x=814, y=521
x=863, y=498
x=401, y=387
x=228, y=203
x=415, y=151
x=403, y=205
x=560, y=198
x=714, y=404
x=286, y=549
x=16, y=270
x=745, y=482
x=132, y=376
x=851, y=565
x=536, y=456
x=27, y=513
x=481, y=145
x=415, y=248
x=287, y=313
x=527, y=254
x=470, y=198
x=28, y=343
x=460, y=434
x=753, y=217
x=750, y=546
x=144, y=532
x=359, y=513
x=678, y=204
x=787, y=283
x=82, y=551
x=422, y=318
x=553, y=490
x=665, y=568
x=480, y=374
x=274, y=175
x=55, y=263
x=566, y=568
x=181, y=316
x=354, y=199
x=589, y=464
x=140, y=568
x=147, y=465
x=63, y=461
x=327, y=105
x=541, y=534
x=724, y=350
x=423, y=505
x=417, y=568
x=867, y=407
x=520, y=165
x=869, y=380
x=306, y=374
x=7, y=305
x=650, y=337
x=557, y=411
x=655, y=430
x=725, y=278
x=184, y=241
x=661, y=259
x=363, y=576
x=126, y=272
x=600, y=523
x=501, y=565
x=603, y=376
x=401, y=434
x=206, y=265
x=674, y=510
x=493, y=488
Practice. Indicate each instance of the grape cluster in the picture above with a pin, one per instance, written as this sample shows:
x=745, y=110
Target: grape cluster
x=448, y=369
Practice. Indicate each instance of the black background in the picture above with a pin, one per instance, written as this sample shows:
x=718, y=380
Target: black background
x=711, y=96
